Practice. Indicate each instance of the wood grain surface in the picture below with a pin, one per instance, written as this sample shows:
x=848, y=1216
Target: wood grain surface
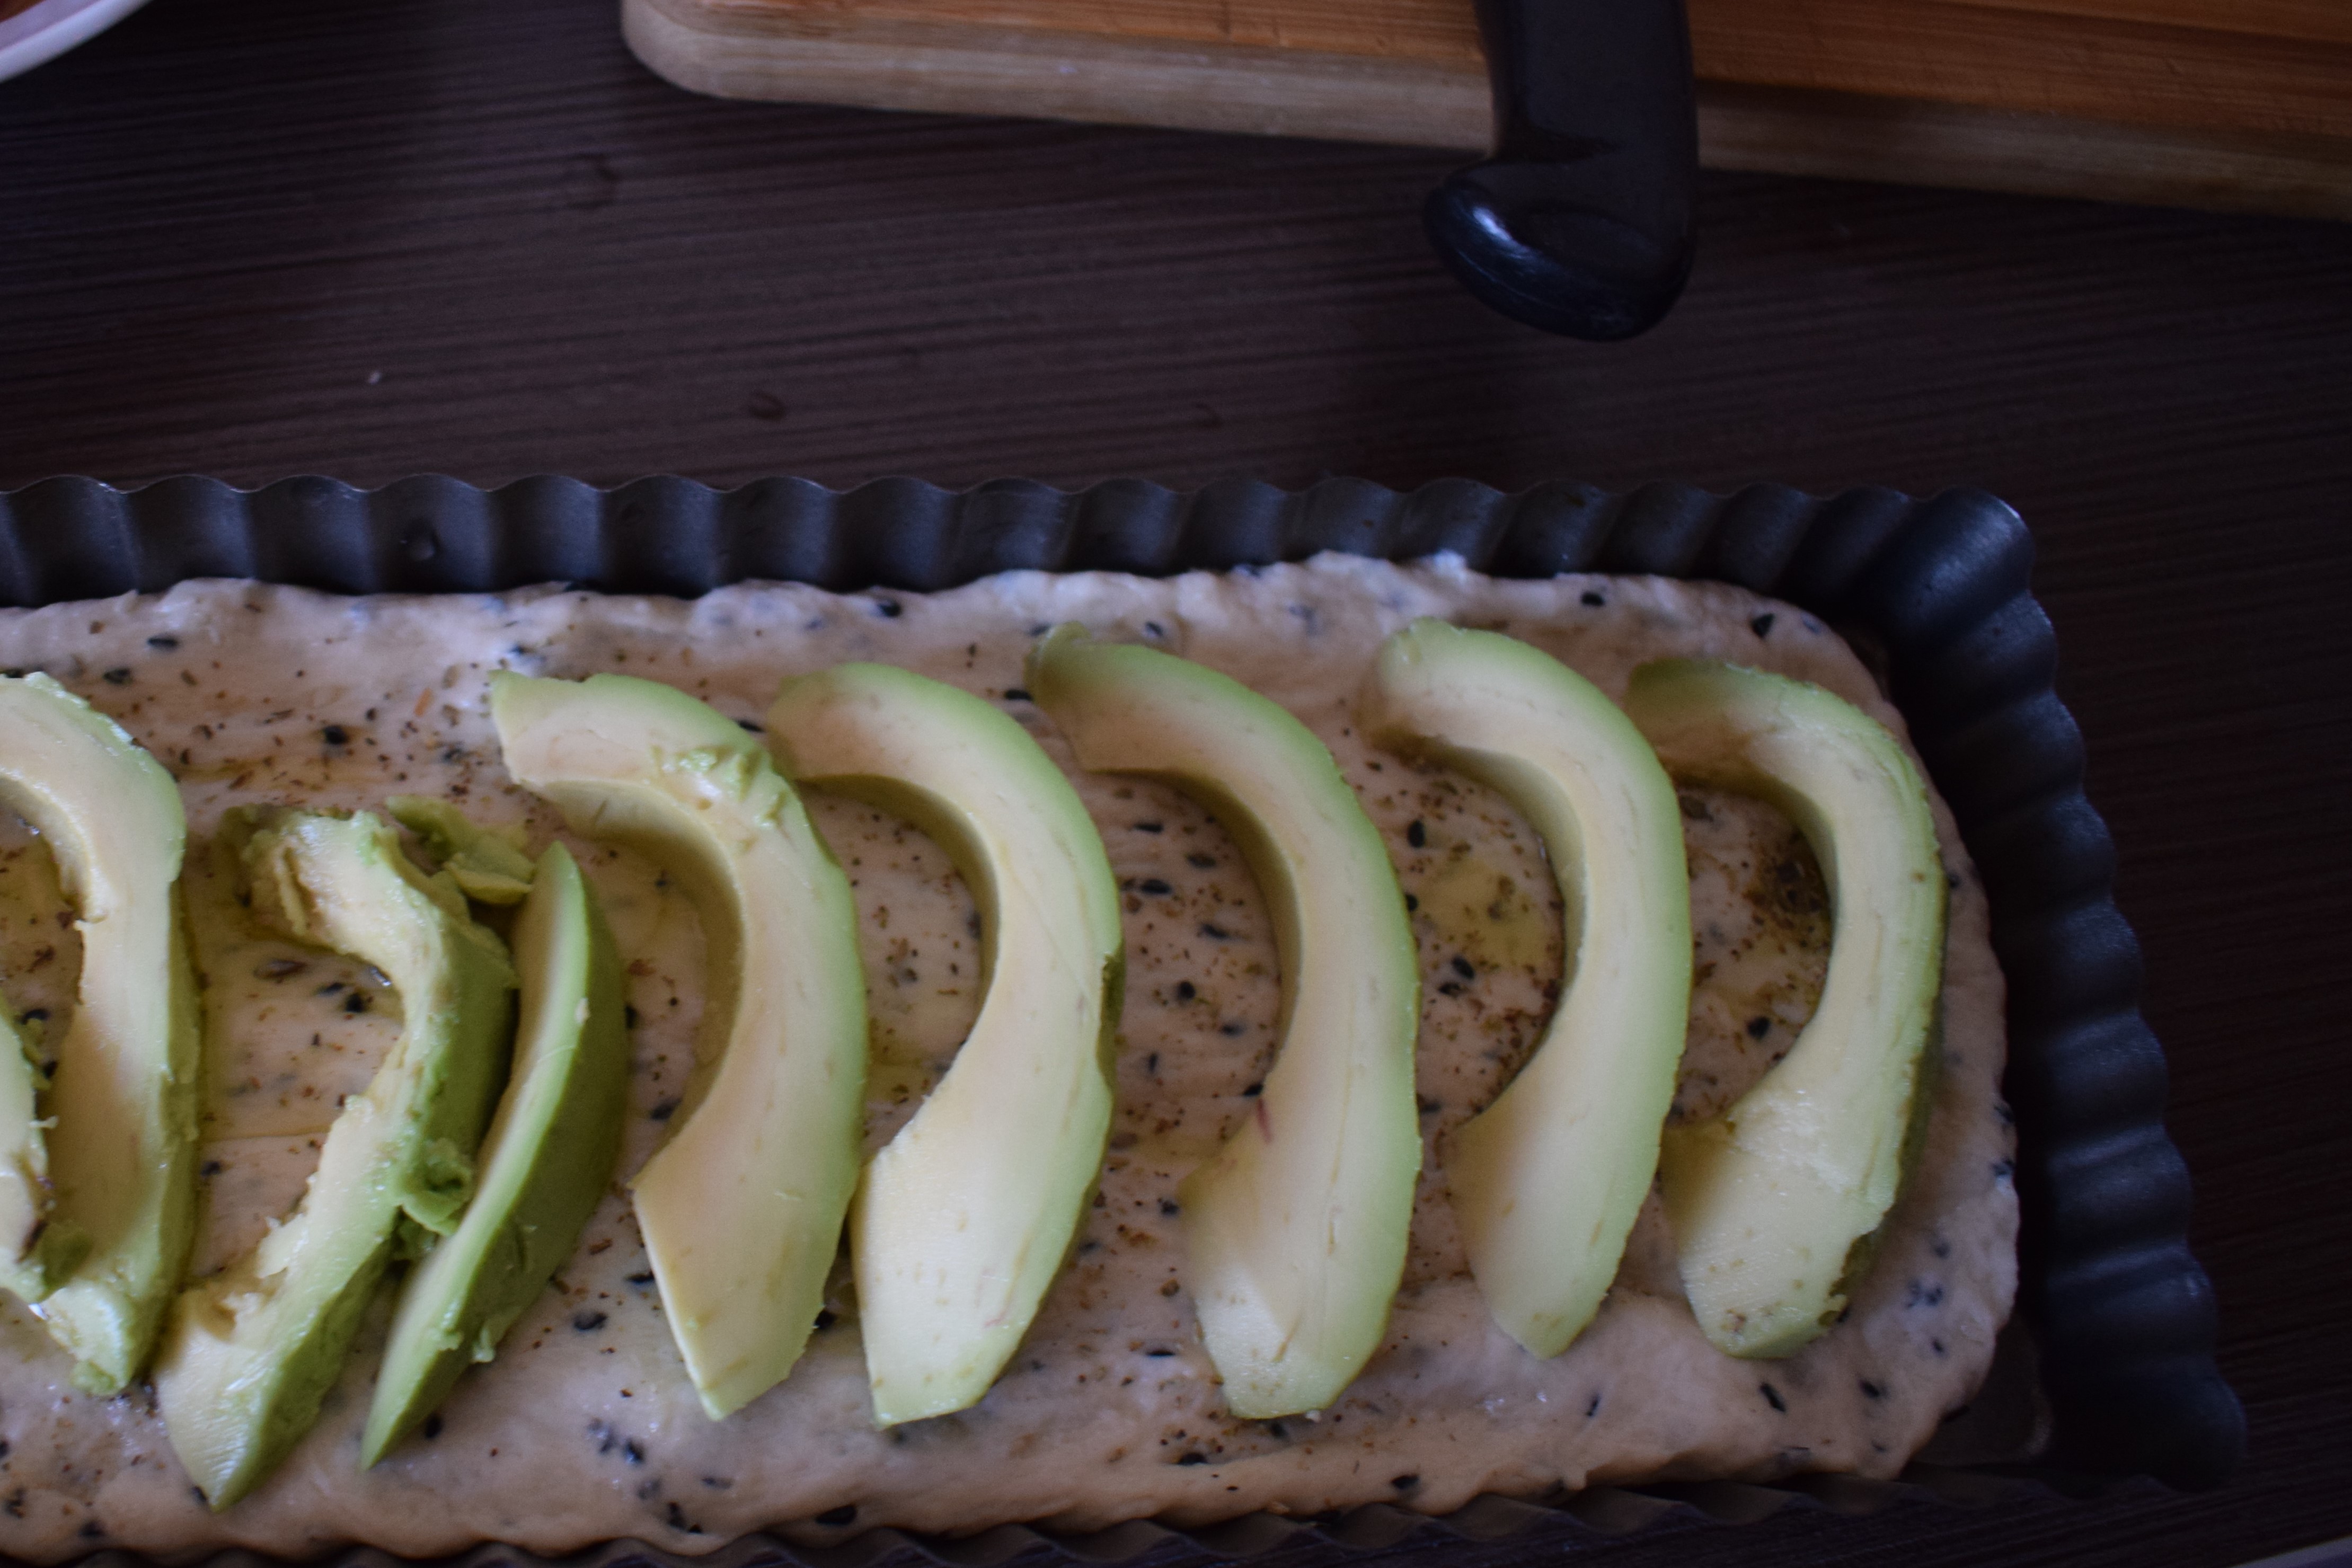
x=2231, y=103
x=370, y=238
x=2274, y=65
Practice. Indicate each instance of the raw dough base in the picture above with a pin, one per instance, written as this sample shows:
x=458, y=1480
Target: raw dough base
x=585, y=1428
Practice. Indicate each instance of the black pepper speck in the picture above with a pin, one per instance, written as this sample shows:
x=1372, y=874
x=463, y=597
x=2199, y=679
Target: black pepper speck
x=588, y=1323
x=335, y=735
x=1416, y=834
x=888, y=609
x=1155, y=887
x=1772, y=1397
x=1185, y=991
x=1594, y=599
x=118, y=677
x=1762, y=624
x=1758, y=1026
x=1464, y=967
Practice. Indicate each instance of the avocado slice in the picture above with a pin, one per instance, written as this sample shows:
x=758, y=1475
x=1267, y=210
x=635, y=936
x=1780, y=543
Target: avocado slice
x=1547, y=1180
x=1296, y=1229
x=489, y=867
x=1773, y=1201
x=544, y=1163
x=742, y=1209
x=254, y=1350
x=964, y=1217
x=37, y=1251
x=121, y=1153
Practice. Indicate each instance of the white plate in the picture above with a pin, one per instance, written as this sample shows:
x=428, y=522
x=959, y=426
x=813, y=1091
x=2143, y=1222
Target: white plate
x=48, y=28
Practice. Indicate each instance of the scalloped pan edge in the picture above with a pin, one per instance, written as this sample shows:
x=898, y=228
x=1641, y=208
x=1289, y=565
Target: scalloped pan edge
x=1934, y=593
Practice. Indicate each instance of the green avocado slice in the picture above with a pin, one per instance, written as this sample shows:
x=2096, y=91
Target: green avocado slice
x=487, y=866
x=544, y=1163
x=254, y=1350
x=965, y=1217
x=37, y=1251
x=1773, y=1202
x=121, y=1156
x=742, y=1209
x=1547, y=1180
x=1296, y=1229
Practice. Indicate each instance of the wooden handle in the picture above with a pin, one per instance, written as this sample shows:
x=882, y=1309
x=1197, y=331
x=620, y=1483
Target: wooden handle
x=1581, y=221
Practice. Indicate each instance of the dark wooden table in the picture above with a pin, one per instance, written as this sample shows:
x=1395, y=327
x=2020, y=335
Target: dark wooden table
x=369, y=237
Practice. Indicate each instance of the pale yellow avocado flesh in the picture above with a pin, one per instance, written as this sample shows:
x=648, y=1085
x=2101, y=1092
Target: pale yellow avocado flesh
x=253, y=1350
x=1769, y=1201
x=120, y=1147
x=25, y=1191
x=1296, y=1230
x=1547, y=1180
x=963, y=1219
x=742, y=1210
x=36, y=1253
x=489, y=867
x=544, y=1163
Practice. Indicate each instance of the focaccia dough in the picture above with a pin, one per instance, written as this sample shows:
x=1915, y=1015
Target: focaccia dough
x=585, y=1428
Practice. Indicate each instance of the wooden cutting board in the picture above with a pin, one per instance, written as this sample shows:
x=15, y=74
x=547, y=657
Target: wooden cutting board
x=2243, y=104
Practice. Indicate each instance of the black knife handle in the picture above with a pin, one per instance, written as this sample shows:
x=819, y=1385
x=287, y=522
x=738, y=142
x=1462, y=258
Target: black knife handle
x=1581, y=221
